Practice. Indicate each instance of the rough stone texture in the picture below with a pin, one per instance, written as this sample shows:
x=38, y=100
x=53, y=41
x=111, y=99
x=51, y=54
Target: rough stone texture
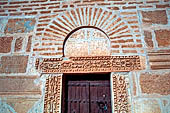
x=158, y=61
x=18, y=104
x=3, y=22
x=146, y=106
x=148, y=39
x=19, y=85
x=20, y=25
x=163, y=37
x=155, y=17
x=18, y=44
x=13, y=64
x=134, y=84
x=28, y=49
x=5, y=44
x=152, y=83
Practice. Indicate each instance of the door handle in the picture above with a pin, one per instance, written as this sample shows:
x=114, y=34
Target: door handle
x=102, y=106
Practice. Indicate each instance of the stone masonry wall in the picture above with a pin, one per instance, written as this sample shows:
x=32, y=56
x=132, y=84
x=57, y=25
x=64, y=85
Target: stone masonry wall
x=31, y=29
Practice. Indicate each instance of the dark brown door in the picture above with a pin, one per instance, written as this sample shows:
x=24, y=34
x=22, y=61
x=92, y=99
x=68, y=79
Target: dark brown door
x=88, y=94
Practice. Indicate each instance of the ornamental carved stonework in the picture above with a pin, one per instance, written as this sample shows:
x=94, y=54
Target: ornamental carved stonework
x=89, y=64
x=120, y=94
x=52, y=100
x=53, y=87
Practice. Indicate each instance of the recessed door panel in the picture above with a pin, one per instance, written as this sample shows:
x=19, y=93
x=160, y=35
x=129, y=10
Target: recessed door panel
x=91, y=95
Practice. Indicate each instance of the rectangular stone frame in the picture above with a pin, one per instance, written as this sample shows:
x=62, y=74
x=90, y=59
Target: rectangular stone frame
x=120, y=98
x=119, y=82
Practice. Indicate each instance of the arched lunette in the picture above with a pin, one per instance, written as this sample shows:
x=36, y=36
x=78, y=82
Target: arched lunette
x=78, y=28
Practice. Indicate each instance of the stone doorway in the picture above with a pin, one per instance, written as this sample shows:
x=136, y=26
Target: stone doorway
x=86, y=93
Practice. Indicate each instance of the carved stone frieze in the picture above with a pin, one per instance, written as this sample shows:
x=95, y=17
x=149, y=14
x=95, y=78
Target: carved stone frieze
x=52, y=100
x=120, y=94
x=89, y=64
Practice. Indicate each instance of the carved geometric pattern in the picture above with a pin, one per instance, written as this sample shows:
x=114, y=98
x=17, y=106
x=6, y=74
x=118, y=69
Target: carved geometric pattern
x=120, y=94
x=52, y=101
x=90, y=64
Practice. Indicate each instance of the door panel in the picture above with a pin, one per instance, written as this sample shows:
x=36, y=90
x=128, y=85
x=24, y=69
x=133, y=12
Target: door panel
x=78, y=97
x=100, y=95
x=88, y=96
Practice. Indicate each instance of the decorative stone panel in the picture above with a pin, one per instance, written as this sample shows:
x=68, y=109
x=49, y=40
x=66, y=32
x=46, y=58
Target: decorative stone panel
x=155, y=83
x=87, y=42
x=90, y=64
x=5, y=44
x=120, y=96
x=20, y=25
x=53, y=90
x=13, y=64
x=163, y=37
x=155, y=17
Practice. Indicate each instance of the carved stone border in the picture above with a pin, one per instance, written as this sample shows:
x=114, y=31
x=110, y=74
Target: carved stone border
x=89, y=64
x=119, y=83
x=53, y=91
x=120, y=94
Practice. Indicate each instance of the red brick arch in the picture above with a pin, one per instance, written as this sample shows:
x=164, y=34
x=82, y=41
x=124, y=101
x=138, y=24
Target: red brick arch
x=110, y=22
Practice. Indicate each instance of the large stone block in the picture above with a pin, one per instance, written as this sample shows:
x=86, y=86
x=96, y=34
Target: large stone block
x=163, y=37
x=20, y=25
x=148, y=39
x=155, y=83
x=146, y=106
x=18, y=94
x=155, y=17
x=13, y=64
x=19, y=85
x=5, y=44
x=17, y=104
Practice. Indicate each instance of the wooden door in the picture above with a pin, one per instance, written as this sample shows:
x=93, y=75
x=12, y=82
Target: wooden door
x=100, y=97
x=88, y=94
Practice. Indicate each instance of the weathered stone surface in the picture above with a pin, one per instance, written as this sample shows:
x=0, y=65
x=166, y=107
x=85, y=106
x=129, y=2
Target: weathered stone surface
x=17, y=104
x=5, y=44
x=148, y=39
x=154, y=83
x=19, y=85
x=155, y=17
x=20, y=25
x=18, y=44
x=13, y=64
x=146, y=106
x=28, y=49
x=159, y=60
x=87, y=42
x=163, y=37
x=134, y=84
x=3, y=22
